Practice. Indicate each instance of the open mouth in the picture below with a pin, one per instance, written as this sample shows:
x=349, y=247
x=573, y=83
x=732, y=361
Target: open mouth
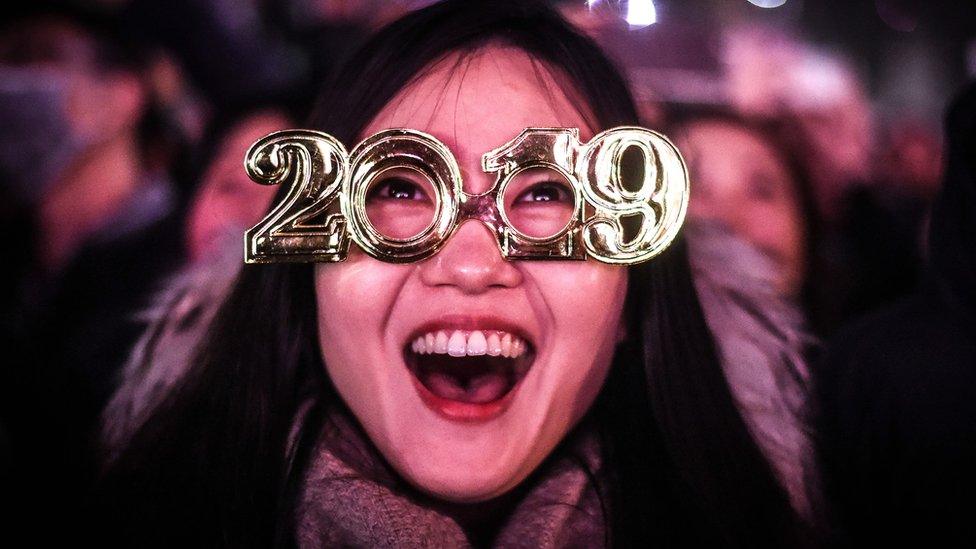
x=468, y=374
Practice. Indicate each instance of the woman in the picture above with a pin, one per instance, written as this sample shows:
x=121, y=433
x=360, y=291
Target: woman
x=748, y=181
x=297, y=420
x=227, y=201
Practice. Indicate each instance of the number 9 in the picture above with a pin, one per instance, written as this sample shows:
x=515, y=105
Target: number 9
x=661, y=200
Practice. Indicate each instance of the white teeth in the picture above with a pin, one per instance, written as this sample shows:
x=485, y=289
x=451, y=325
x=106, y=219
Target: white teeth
x=507, y=345
x=477, y=344
x=440, y=343
x=494, y=344
x=474, y=343
x=456, y=346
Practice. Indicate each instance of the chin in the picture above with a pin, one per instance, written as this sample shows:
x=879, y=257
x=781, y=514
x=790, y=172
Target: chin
x=466, y=459
x=458, y=481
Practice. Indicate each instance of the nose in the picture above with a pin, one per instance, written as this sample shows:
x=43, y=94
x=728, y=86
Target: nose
x=471, y=262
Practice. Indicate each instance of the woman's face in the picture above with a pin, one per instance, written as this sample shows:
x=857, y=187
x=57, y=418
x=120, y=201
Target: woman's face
x=228, y=201
x=471, y=427
x=739, y=180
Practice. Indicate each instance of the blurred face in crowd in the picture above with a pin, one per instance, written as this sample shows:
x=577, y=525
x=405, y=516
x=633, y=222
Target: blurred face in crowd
x=738, y=179
x=59, y=102
x=228, y=202
x=467, y=369
x=69, y=146
x=60, y=56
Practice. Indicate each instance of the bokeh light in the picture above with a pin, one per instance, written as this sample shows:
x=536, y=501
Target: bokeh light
x=641, y=13
x=637, y=13
x=767, y=3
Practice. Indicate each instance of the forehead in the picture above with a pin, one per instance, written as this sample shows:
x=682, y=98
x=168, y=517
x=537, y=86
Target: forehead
x=720, y=141
x=478, y=101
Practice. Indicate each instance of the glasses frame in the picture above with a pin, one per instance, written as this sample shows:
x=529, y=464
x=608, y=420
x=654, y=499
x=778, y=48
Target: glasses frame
x=307, y=225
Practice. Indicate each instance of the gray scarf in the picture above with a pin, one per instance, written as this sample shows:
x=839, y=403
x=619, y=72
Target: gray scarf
x=350, y=498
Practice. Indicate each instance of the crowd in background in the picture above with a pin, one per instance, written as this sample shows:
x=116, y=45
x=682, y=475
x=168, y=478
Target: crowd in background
x=123, y=125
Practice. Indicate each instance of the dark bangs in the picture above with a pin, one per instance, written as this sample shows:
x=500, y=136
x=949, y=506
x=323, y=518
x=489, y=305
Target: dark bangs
x=402, y=51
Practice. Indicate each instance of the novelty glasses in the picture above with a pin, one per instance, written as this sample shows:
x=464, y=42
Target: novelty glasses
x=619, y=198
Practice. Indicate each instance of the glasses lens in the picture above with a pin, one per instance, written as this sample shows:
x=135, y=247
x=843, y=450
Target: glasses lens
x=539, y=202
x=400, y=203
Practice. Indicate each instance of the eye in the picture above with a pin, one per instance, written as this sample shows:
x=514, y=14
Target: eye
x=545, y=191
x=396, y=188
x=539, y=202
x=399, y=203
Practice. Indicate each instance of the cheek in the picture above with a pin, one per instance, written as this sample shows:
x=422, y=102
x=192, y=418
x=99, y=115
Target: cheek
x=358, y=284
x=252, y=203
x=354, y=299
x=586, y=301
x=780, y=227
x=201, y=227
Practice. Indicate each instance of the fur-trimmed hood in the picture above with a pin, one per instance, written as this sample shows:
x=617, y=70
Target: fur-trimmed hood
x=762, y=339
x=760, y=335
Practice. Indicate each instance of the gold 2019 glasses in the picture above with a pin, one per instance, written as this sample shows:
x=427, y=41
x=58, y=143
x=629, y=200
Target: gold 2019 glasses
x=399, y=196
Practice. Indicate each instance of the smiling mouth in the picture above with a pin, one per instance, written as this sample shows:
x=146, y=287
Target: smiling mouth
x=468, y=375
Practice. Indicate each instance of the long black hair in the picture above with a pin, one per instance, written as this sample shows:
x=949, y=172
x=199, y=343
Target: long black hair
x=214, y=465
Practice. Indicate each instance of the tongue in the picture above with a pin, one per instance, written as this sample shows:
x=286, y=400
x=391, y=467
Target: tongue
x=487, y=387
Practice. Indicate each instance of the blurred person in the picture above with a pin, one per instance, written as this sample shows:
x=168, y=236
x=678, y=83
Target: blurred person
x=232, y=52
x=773, y=74
x=871, y=213
x=896, y=415
x=746, y=179
x=94, y=221
x=226, y=201
x=71, y=144
x=877, y=242
x=872, y=194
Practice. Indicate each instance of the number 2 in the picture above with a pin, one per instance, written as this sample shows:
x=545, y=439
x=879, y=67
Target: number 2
x=300, y=228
